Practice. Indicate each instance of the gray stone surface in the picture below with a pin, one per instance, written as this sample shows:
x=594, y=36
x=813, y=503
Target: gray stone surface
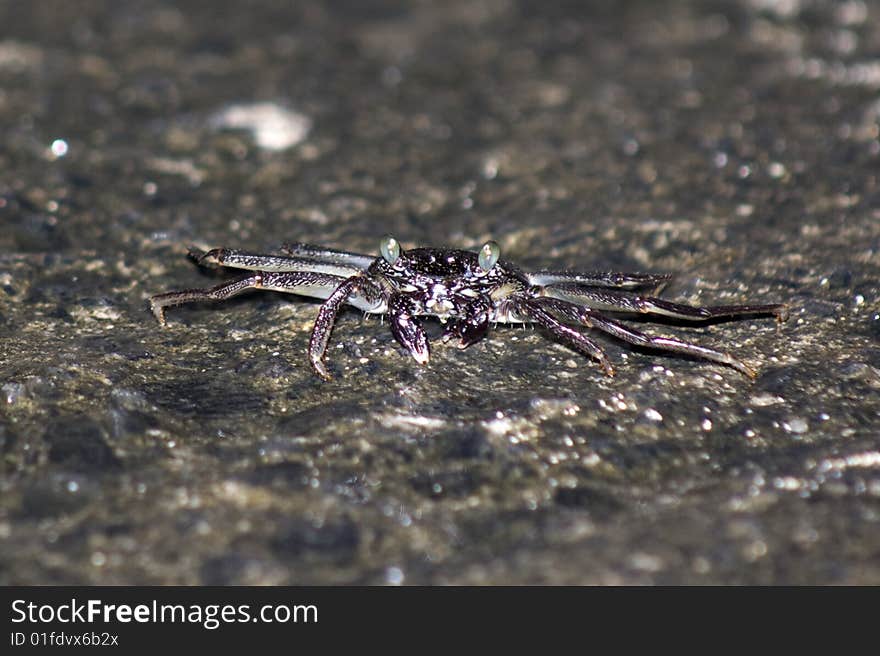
x=735, y=143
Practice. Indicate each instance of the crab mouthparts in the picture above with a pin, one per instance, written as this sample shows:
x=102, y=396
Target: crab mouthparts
x=441, y=306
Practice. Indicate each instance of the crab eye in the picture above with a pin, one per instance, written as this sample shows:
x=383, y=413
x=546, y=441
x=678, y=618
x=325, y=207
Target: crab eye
x=390, y=249
x=489, y=254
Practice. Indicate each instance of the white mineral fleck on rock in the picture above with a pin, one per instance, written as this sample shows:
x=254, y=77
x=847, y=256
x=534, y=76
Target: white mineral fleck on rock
x=273, y=127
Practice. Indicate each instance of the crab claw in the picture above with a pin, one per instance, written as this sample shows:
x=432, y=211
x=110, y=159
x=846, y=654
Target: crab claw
x=467, y=331
x=411, y=336
x=422, y=356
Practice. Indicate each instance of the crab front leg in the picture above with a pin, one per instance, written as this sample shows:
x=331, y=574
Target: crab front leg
x=358, y=291
x=328, y=255
x=406, y=328
x=238, y=259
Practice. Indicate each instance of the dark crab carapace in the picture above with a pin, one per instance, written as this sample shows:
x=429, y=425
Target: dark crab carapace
x=467, y=291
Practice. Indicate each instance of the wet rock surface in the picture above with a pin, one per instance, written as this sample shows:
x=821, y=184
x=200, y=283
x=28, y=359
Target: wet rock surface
x=735, y=143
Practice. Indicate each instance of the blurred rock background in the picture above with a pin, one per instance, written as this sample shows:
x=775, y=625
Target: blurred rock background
x=734, y=143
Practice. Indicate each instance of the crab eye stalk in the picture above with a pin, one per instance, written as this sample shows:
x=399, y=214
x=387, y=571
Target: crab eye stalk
x=489, y=254
x=390, y=249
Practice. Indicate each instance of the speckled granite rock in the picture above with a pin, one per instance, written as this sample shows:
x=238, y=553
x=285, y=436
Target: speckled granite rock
x=735, y=143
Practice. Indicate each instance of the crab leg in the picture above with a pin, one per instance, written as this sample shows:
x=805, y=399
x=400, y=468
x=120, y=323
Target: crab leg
x=329, y=255
x=619, y=301
x=304, y=283
x=356, y=290
x=236, y=259
x=608, y=279
x=594, y=319
x=567, y=334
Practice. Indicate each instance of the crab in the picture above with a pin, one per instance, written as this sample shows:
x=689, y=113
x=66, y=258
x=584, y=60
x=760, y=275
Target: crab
x=467, y=291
